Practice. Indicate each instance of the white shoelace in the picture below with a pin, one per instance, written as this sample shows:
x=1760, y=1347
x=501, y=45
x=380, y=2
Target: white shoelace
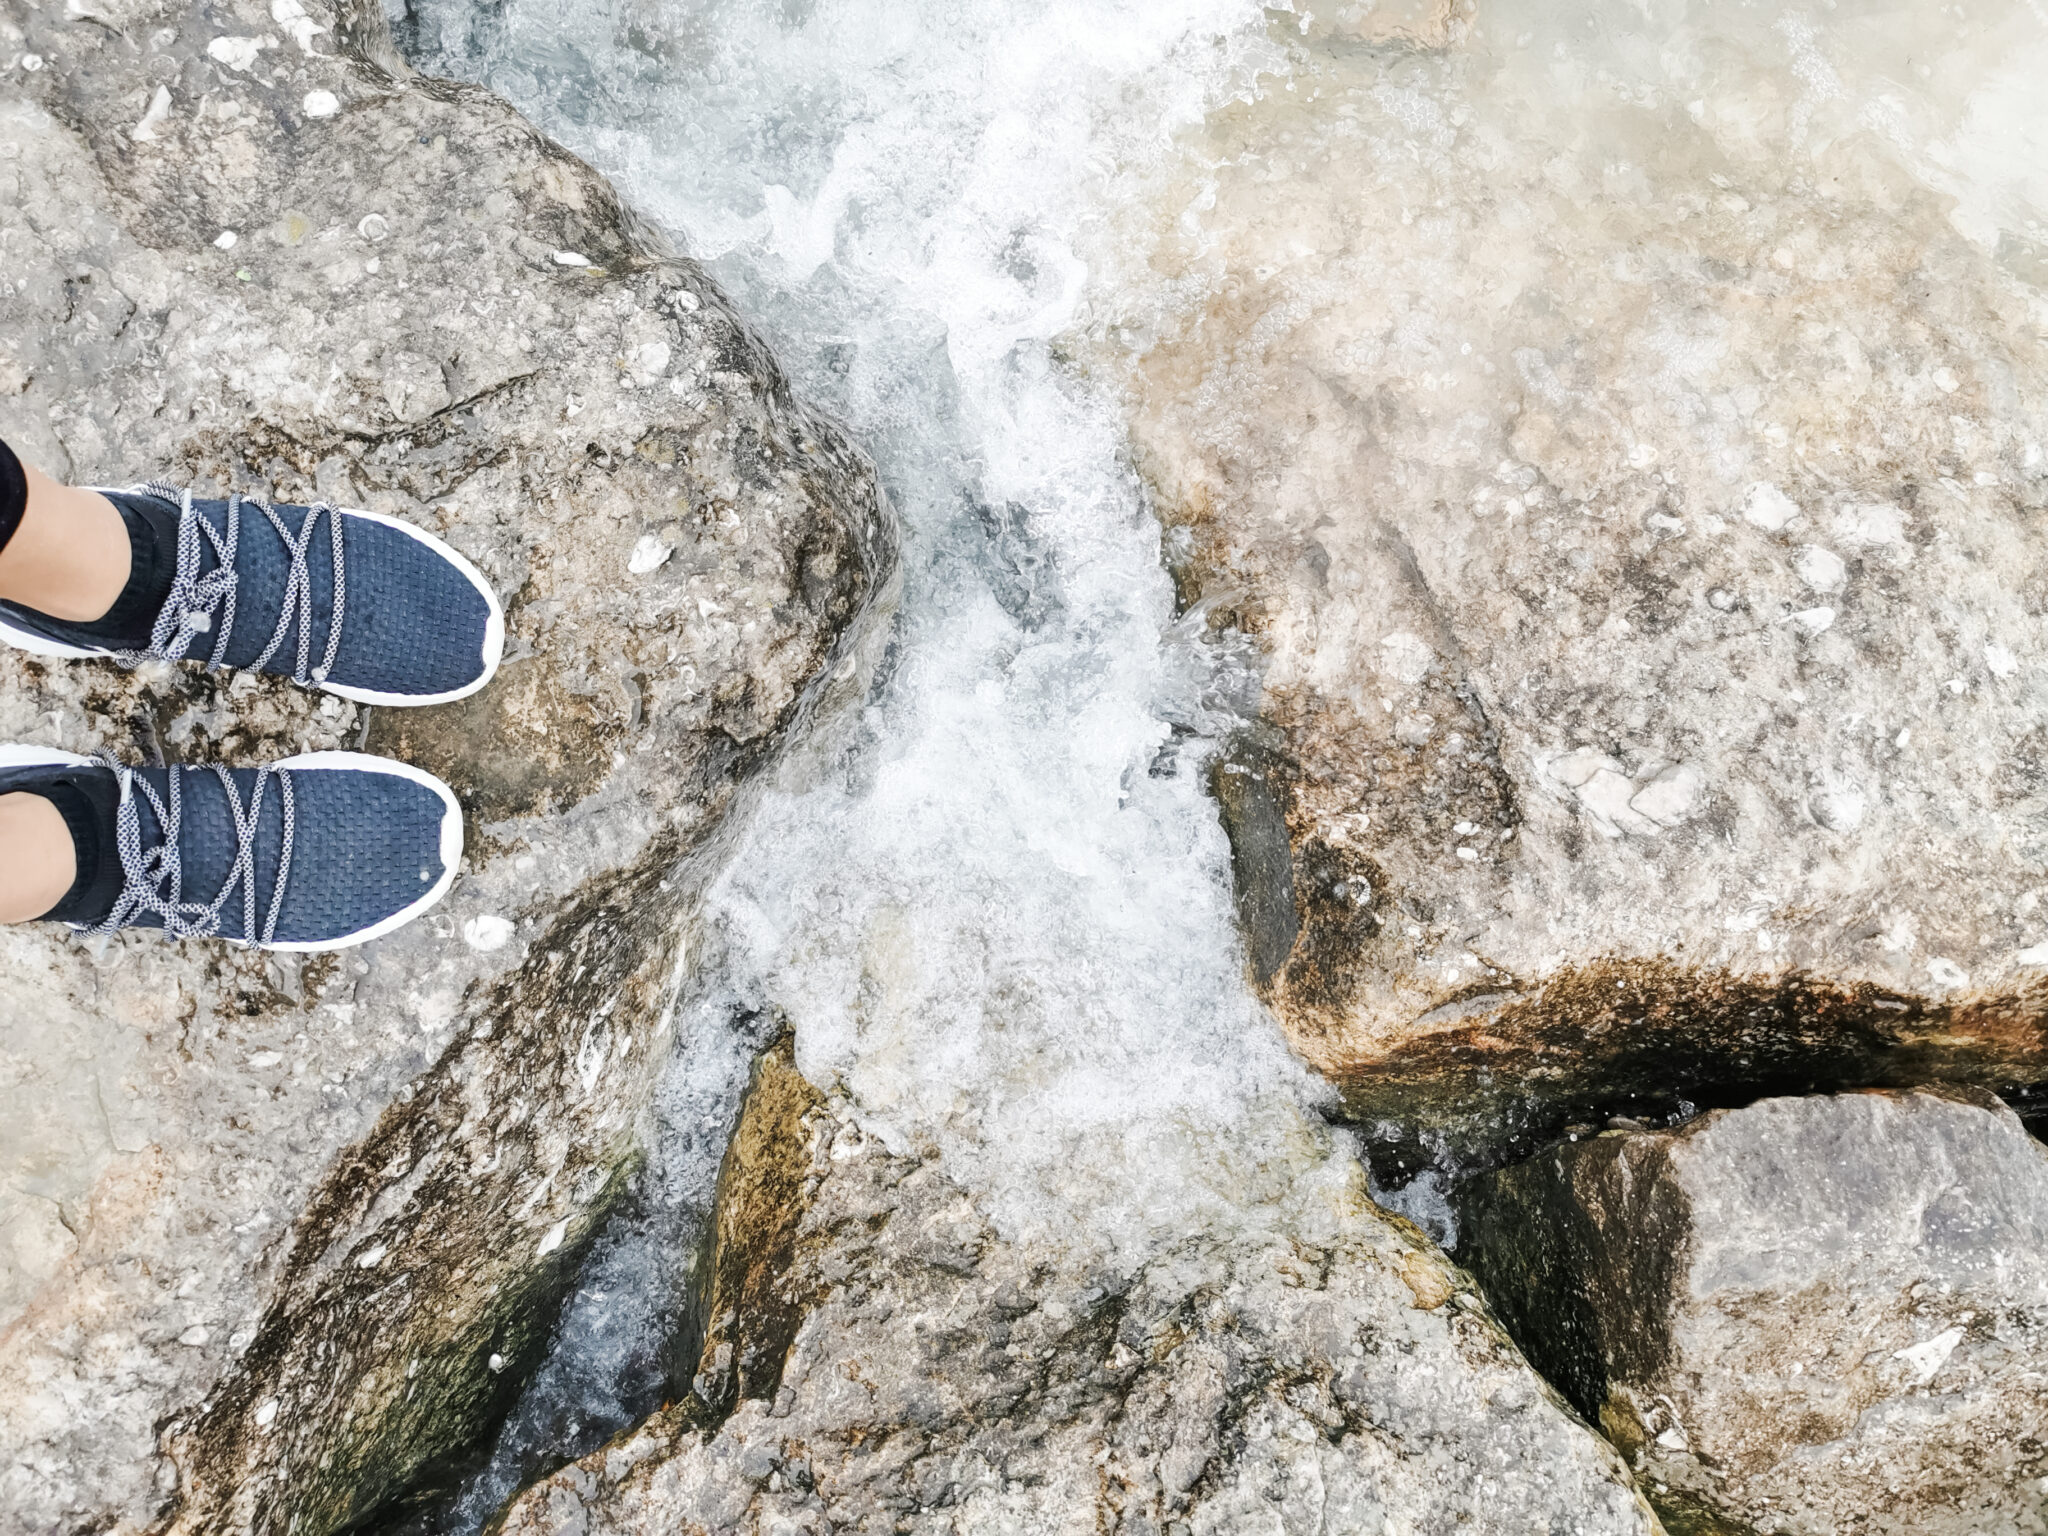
x=153, y=882
x=194, y=601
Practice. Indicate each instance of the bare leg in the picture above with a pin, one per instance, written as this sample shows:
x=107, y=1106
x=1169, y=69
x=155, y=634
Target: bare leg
x=70, y=556
x=37, y=864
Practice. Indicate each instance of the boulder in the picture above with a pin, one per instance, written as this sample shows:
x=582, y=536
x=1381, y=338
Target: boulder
x=1632, y=466
x=881, y=1359
x=279, y=1236
x=1808, y=1316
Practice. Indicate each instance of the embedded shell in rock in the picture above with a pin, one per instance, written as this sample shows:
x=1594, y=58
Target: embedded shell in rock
x=279, y=1235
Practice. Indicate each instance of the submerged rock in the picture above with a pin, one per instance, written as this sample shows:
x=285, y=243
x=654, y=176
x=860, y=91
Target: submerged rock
x=280, y=1236
x=1334, y=1377
x=1633, y=464
x=1808, y=1316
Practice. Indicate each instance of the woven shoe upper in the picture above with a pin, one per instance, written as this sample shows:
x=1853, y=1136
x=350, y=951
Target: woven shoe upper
x=418, y=624
x=363, y=846
x=413, y=622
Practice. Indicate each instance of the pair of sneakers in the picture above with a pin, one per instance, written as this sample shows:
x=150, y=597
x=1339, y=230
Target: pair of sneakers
x=315, y=852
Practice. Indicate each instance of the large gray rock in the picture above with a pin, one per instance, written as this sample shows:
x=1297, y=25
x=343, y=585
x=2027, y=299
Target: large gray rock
x=1805, y=1317
x=894, y=1364
x=1626, y=432
x=277, y=1236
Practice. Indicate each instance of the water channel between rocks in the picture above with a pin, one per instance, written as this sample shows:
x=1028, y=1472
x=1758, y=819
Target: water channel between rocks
x=995, y=902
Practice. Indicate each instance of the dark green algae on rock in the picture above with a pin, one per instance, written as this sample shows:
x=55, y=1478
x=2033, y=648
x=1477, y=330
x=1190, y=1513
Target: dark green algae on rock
x=317, y=1227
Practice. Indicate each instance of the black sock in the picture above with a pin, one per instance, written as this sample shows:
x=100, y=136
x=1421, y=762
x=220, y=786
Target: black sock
x=88, y=804
x=13, y=493
x=152, y=567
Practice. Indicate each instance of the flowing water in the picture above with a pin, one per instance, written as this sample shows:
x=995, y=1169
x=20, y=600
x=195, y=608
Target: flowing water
x=995, y=905
x=994, y=901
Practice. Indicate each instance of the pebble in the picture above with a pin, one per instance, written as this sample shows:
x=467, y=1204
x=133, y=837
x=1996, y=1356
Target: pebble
x=321, y=104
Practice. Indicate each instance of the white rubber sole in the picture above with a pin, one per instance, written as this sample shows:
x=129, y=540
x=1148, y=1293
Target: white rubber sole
x=16, y=756
x=494, y=629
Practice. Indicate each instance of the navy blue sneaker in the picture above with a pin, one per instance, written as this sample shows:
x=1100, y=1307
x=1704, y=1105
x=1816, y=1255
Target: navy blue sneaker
x=355, y=603
x=316, y=852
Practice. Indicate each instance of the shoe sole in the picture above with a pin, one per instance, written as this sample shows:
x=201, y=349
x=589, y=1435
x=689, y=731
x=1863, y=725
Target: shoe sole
x=493, y=647
x=327, y=762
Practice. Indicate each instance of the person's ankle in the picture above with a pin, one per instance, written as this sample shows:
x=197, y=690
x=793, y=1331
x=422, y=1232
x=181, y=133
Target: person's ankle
x=71, y=556
x=42, y=859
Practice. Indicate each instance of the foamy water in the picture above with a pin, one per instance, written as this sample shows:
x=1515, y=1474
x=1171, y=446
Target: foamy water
x=994, y=903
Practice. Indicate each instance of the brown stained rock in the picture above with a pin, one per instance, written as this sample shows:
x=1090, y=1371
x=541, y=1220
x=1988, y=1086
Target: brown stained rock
x=1331, y=1374
x=1636, y=481
x=765, y=1184
x=279, y=1238
x=1806, y=1316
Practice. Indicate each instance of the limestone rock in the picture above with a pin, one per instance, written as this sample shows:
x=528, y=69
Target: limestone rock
x=1811, y=1315
x=1634, y=468
x=278, y=1235
x=1340, y=1378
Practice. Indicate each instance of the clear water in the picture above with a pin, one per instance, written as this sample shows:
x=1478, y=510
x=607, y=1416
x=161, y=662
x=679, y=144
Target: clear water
x=994, y=902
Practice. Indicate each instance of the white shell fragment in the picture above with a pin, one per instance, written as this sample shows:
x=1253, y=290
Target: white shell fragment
x=159, y=108
x=237, y=53
x=649, y=554
x=487, y=932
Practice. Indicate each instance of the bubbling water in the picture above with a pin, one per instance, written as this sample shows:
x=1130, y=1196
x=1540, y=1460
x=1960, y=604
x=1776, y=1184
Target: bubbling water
x=995, y=907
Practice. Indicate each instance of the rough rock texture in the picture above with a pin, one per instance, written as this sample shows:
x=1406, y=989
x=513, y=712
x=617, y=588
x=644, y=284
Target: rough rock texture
x=940, y=1379
x=277, y=1236
x=1634, y=465
x=1813, y=1315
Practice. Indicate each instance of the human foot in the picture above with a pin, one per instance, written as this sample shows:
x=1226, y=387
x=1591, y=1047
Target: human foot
x=317, y=852
x=356, y=603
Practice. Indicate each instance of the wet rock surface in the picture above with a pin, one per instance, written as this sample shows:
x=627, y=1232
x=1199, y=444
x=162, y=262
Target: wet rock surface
x=278, y=1236
x=1335, y=1376
x=1808, y=1315
x=1633, y=468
